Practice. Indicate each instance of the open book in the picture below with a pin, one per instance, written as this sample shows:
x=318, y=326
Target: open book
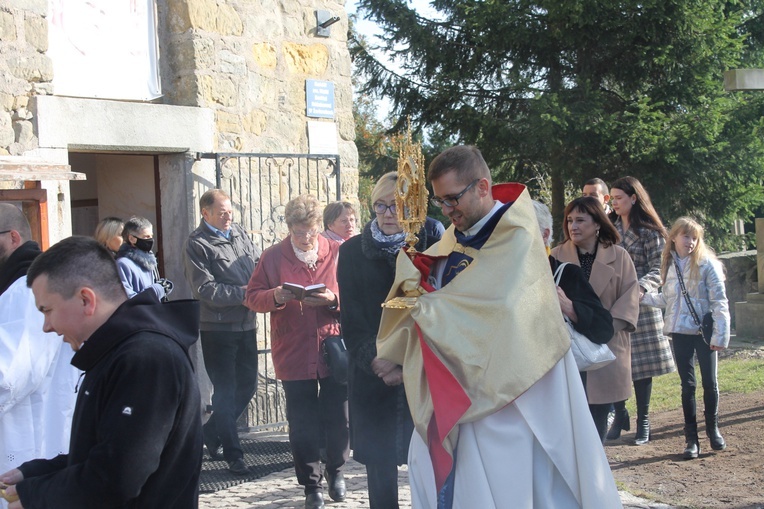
x=301, y=292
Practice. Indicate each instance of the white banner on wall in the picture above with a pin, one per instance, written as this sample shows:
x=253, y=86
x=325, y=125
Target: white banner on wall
x=104, y=49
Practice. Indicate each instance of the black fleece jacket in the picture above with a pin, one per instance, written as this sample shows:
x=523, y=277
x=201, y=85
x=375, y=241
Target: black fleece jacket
x=136, y=437
x=17, y=264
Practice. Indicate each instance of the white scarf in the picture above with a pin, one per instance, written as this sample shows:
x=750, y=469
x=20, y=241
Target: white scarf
x=309, y=258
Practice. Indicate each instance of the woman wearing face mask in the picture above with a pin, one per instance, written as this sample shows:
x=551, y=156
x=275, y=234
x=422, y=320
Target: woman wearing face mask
x=136, y=264
x=380, y=422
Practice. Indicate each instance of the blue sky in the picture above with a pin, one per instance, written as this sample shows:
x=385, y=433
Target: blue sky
x=370, y=29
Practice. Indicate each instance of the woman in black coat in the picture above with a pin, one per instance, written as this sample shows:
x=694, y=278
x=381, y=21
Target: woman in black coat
x=380, y=422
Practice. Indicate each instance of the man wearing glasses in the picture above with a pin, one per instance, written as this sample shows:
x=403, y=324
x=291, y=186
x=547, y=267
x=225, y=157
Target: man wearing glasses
x=219, y=259
x=500, y=414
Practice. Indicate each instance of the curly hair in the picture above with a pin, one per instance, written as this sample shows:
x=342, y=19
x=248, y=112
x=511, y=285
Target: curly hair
x=304, y=210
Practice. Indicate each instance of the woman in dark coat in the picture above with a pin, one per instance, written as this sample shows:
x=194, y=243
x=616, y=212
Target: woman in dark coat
x=380, y=422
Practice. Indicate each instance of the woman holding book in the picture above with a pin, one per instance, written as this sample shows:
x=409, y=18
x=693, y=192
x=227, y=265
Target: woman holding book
x=298, y=327
x=380, y=422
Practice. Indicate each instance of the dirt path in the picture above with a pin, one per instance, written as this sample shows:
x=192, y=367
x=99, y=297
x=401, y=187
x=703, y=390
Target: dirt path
x=729, y=479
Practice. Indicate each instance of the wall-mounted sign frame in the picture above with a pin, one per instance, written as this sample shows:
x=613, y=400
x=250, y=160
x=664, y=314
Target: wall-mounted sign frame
x=319, y=97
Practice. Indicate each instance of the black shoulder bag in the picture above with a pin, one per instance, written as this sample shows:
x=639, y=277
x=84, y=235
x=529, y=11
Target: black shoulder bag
x=706, y=327
x=336, y=357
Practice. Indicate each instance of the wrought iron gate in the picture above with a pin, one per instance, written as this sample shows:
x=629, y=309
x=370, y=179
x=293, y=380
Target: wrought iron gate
x=260, y=185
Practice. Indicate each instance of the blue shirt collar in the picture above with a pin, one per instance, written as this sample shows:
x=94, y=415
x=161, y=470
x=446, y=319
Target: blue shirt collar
x=226, y=234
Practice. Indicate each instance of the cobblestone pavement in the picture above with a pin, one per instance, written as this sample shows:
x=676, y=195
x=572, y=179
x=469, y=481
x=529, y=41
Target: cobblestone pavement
x=281, y=491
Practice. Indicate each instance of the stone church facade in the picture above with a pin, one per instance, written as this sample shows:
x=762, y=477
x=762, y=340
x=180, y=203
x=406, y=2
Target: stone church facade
x=234, y=76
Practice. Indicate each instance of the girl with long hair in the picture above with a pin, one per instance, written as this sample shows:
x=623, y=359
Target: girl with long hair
x=688, y=262
x=644, y=237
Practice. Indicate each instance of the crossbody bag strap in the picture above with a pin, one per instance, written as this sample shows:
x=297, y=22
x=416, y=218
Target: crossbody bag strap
x=686, y=295
x=558, y=273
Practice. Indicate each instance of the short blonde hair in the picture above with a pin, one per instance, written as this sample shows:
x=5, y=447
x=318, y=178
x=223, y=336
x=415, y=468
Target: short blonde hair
x=386, y=184
x=107, y=229
x=305, y=210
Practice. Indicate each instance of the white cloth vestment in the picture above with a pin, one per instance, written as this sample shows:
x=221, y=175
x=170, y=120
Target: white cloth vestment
x=37, y=382
x=539, y=452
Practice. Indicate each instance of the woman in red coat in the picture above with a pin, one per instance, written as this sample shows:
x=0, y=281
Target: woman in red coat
x=297, y=329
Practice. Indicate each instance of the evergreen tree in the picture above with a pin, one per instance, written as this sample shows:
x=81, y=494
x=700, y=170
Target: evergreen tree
x=575, y=89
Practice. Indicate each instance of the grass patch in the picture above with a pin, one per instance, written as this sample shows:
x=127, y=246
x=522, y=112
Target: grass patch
x=735, y=375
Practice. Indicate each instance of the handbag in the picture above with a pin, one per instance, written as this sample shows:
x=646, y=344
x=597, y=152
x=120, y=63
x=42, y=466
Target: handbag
x=705, y=327
x=589, y=356
x=336, y=357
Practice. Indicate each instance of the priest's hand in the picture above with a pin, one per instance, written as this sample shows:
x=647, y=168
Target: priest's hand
x=382, y=367
x=395, y=377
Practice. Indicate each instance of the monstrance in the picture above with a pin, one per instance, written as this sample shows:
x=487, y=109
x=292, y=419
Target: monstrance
x=410, y=203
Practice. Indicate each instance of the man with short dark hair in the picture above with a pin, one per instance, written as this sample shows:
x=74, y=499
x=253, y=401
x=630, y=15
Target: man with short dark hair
x=36, y=378
x=500, y=413
x=136, y=434
x=597, y=188
x=219, y=258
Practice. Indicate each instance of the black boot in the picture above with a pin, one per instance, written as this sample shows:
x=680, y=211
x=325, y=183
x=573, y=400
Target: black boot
x=621, y=422
x=643, y=389
x=712, y=431
x=643, y=425
x=692, y=446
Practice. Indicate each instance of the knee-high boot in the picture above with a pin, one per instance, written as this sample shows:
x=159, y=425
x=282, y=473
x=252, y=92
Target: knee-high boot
x=711, y=403
x=692, y=446
x=643, y=425
x=642, y=391
x=621, y=421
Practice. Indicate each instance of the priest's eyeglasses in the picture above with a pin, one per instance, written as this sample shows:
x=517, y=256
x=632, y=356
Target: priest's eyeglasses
x=453, y=201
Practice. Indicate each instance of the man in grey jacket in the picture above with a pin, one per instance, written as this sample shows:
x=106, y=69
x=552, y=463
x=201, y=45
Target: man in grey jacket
x=219, y=259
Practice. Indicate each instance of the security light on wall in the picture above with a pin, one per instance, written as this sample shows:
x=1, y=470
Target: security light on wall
x=324, y=20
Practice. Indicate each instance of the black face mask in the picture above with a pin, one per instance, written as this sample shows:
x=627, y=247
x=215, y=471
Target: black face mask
x=144, y=244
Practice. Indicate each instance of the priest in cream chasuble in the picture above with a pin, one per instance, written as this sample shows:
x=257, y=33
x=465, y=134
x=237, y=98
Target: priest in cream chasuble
x=500, y=413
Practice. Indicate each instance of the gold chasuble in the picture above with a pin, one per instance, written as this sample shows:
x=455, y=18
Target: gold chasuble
x=475, y=345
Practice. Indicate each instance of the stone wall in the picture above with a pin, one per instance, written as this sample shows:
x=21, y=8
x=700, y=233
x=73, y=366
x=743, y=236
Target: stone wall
x=245, y=60
x=248, y=61
x=740, y=269
x=24, y=71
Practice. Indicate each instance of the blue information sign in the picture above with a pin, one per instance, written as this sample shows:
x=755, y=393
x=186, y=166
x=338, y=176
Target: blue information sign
x=320, y=98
